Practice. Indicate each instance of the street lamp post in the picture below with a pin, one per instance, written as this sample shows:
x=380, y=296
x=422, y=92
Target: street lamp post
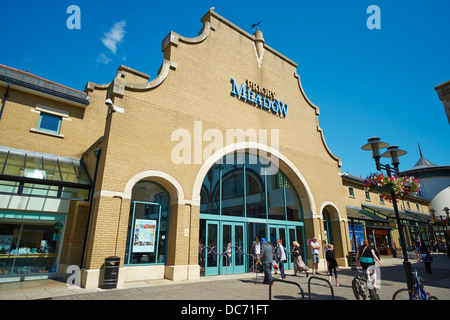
x=433, y=214
x=446, y=209
x=375, y=145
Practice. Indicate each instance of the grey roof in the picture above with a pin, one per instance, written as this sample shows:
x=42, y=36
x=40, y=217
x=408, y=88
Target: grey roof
x=33, y=82
x=423, y=163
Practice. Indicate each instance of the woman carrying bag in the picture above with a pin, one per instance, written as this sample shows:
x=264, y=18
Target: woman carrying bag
x=366, y=256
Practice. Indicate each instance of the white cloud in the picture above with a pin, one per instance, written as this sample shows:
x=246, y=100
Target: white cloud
x=114, y=36
x=103, y=58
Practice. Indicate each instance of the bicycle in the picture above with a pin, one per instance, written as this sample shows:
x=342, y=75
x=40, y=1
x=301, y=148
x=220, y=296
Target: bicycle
x=418, y=292
x=359, y=285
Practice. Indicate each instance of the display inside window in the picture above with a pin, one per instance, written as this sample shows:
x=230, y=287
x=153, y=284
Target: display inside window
x=148, y=225
x=28, y=248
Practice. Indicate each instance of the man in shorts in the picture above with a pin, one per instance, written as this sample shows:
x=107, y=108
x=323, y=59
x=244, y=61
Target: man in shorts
x=315, y=255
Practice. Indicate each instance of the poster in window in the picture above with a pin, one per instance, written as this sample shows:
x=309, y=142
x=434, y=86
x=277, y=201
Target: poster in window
x=5, y=242
x=144, y=235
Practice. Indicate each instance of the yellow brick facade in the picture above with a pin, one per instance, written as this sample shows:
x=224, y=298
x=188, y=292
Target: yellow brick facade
x=195, y=87
x=192, y=92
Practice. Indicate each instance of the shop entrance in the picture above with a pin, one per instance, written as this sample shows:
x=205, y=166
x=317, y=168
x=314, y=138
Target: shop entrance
x=380, y=238
x=287, y=234
x=240, y=200
x=225, y=246
x=224, y=251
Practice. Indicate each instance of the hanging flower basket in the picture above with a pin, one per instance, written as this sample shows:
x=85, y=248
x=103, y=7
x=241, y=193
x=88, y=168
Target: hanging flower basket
x=436, y=222
x=382, y=184
x=439, y=222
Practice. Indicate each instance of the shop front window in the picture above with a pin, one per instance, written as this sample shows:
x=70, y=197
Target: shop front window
x=356, y=236
x=28, y=248
x=148, y=225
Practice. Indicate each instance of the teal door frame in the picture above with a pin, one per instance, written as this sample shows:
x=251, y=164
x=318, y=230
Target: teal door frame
x=221, y=258
x=130, y=245
x=290, y=231
x=285, y=233
x=233, y=247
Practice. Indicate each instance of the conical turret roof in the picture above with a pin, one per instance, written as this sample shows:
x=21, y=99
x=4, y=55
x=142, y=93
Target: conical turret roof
x=423, y=163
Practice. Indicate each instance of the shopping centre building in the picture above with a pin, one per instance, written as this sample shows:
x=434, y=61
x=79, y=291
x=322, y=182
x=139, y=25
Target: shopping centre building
x=221, y=147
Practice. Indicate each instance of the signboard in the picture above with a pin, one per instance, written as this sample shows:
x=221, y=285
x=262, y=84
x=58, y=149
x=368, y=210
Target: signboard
x=144, y=235
x=259, y=96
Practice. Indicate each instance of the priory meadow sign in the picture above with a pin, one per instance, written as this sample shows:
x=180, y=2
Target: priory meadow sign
x=260, y=96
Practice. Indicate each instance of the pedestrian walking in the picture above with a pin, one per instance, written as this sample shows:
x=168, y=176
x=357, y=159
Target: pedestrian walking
x=299, y=265
x=331, y=263
x=366, y=256
x=266, y=258
x=281, y=257
x=425, y=256
x=417, y=245
x=315, y=255
x=255, y=250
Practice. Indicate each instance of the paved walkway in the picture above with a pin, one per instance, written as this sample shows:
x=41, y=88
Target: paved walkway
x=242, y=287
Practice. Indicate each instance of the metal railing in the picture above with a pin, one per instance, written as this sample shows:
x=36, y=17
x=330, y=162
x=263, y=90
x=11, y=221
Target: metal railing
x=321, y=279
x=285, y=281
x=300, y=287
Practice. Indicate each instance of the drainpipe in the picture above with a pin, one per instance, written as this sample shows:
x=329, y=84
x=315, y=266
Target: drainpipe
x=97, y=153
x=4, y=99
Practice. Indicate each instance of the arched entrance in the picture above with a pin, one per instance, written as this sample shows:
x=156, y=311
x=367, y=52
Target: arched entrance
x=239, y=201
x=332, y=227
x=154, y=205
x=148, y=225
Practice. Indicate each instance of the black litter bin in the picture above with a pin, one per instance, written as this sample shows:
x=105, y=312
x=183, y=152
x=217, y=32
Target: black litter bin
x=352, y=258
x=111, y=273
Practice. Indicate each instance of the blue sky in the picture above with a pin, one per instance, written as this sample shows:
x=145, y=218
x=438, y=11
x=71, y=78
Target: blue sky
x=377, y=82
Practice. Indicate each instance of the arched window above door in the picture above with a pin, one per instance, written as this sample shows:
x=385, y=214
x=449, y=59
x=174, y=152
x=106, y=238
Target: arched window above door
x=242, y=189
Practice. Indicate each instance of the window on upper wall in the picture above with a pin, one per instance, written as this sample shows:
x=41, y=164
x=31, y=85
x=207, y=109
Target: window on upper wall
x=417, y=206
x=367, y=196
x=351, y=192
x=49, y=123
x=50, y=120
x=381, y=200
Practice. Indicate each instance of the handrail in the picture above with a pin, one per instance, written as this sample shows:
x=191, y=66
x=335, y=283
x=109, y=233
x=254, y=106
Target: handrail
x=253, y=262
x=329, y=284
x=238, y=249
x=285, y=281
x=225, y=254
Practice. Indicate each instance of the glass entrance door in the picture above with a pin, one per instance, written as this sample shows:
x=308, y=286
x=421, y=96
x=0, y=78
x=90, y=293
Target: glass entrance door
x=233, y=248
x=211, y=245
x=287, y=234
x=225, y=247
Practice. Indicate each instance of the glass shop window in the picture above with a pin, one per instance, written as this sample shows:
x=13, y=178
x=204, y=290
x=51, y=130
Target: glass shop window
x=148, y=225
x=28, y=248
